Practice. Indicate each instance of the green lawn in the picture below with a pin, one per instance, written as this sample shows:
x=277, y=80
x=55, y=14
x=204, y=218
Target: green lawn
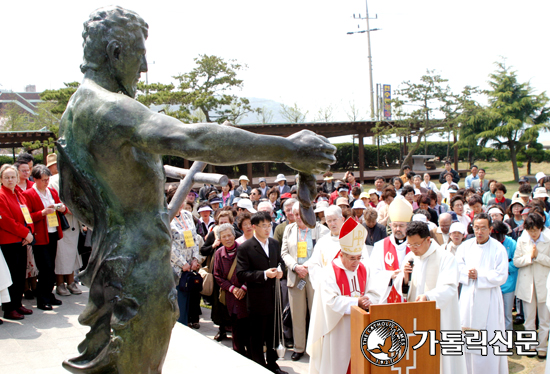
x=500, y=171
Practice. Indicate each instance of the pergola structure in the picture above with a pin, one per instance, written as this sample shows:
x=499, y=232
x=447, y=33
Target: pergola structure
x=15, y=139
x=361, y=129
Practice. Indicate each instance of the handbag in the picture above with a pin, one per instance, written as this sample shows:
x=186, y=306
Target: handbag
x=207, y=279
x=63, y=221
x=229, y=276
x=190, y=281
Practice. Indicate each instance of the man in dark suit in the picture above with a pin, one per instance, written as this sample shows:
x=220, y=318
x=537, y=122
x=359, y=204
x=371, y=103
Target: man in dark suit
x=449, y=169
x=259, y=262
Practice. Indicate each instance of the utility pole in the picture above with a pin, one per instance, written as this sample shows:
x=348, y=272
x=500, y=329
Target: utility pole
x=368, y=30
x=372, y=114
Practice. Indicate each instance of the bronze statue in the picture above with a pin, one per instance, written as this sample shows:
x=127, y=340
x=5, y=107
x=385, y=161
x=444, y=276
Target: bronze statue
x=112, y=179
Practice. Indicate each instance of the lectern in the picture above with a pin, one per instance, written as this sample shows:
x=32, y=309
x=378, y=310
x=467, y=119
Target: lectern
x=385, y=335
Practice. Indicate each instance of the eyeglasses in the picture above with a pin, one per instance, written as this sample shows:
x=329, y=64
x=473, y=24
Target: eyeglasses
x=417, y=245
x=265, y=227
x=481, y=229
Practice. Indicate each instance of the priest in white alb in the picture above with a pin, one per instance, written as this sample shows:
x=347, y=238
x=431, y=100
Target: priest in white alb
x=482, y=268
x=433, y=274
x=388, y=255
x=345, y=283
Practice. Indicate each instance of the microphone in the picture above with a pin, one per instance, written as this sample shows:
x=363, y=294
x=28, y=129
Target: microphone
x=411, y=262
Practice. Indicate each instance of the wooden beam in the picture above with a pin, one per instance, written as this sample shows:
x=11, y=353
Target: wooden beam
x=44, y=154
x=361, y=157
x=249, y=172
x=455, y=152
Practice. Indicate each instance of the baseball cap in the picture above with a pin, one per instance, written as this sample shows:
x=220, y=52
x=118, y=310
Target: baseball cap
x=523, y=180
x=262, y=180
x=457, y=227
x=246, y=204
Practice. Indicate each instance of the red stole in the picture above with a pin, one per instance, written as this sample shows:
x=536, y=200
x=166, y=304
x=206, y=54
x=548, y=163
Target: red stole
x=392, y=263
x=343, y=282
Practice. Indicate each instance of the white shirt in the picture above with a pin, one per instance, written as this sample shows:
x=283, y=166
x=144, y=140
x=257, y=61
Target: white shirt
x=265, y=246
x=47, y=200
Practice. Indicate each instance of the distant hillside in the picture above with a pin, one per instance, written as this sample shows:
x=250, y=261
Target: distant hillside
x=255, y=102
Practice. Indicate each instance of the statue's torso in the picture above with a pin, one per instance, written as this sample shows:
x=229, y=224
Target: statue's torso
x=97, y=129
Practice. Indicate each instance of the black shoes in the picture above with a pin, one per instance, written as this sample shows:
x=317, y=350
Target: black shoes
x=279, y=371
x=296, y=356
x=54, y=301
x=220, y=336
x=289, y=344
x=519, y=320
x=44, y=306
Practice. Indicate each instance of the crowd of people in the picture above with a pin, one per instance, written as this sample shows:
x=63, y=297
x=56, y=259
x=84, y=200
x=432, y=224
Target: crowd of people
x=41, y=242
x=254, y=235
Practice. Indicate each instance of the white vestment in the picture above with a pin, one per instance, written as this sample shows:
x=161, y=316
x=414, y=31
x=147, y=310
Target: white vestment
x=547, y=369
x=435, y=274
x=380, y=275
x=326, y=250
x=481, y=305
x=329, y=339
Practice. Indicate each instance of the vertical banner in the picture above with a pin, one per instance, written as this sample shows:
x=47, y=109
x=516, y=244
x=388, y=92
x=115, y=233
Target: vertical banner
x=387, y=101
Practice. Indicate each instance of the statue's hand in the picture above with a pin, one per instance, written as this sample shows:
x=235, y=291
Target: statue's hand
x=313, y=153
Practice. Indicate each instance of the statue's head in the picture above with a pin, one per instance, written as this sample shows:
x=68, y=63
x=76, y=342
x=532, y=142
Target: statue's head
x=114, y=43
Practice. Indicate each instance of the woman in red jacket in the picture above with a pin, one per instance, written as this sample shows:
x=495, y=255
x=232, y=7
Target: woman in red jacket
x=15, y=234
x=44, y=205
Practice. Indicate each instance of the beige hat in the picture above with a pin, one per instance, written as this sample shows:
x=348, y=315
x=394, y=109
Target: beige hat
x=352, y=237
x=400, y=211
x=342, y=201
x=51, y=159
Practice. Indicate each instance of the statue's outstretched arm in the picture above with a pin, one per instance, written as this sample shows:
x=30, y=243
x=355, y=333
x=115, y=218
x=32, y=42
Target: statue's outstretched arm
x=227, y=145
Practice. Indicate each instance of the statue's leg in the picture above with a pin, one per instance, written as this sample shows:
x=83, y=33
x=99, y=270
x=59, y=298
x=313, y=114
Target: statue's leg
x=132, y=309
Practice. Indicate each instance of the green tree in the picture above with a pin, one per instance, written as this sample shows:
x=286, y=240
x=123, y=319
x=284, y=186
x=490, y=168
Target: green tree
x=532, y=152
x=324, y=114
x=516, y=114
x=14, y=118
x=292, y=114
x=472, y=121
x=59, y=97
x=264, y=115
x=415, y=107
x=206, y=88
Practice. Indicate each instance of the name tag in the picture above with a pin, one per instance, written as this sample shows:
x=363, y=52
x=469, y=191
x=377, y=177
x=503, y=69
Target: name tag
x=52, y=220
x=26, y=214
x=302, y=249
x=188, y=237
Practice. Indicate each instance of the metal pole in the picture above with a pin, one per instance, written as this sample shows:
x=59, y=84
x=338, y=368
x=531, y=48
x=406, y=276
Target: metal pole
x=372, y=114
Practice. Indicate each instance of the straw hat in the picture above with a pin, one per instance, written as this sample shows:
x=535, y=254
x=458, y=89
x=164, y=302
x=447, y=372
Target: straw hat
x=51, y=159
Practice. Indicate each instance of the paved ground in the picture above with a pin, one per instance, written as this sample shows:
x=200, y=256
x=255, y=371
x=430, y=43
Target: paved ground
x=39, y=344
